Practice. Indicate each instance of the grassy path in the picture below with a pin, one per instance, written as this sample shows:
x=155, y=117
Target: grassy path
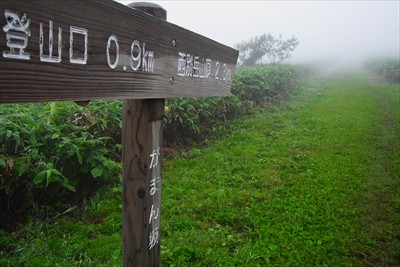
x=312, y=182
x=380, y=205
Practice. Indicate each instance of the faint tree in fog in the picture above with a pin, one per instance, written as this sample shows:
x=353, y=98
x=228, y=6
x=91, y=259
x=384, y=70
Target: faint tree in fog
x=256, y=49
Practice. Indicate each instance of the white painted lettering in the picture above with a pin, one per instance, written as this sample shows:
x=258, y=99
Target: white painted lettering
x=202, y=70
x=228, y=75
x=208, y=69
x=150, y=61
x=153, y=214
x=135, y=49
x=154, y=157
x=153, y=238
x=17, y=33
x=145, y=55
x=113, y=39
x=196, y=67
x=72, y=58
x=182, y=64
x=217, y=71
x=153, y=185
x=223, y=72
x=189, y=65
x=50, y=57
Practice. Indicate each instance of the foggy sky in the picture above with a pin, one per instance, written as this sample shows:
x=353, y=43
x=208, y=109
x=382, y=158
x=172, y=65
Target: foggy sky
x=327, y=30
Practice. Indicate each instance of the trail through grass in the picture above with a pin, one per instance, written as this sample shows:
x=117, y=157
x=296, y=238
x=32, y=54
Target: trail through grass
x=291, y=185
x=311, y=182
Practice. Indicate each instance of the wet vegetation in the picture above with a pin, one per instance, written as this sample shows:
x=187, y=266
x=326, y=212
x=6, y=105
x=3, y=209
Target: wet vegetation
x=54, y=155
x=291, y=170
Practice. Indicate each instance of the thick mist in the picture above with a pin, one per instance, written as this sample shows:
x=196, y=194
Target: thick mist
x=330, y=32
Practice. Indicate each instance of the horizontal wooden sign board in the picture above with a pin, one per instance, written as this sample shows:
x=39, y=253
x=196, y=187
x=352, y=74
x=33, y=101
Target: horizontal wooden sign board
x=100, y=49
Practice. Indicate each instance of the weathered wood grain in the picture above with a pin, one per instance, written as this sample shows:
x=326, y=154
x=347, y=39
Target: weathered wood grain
x=23, y=80
x=141, y=137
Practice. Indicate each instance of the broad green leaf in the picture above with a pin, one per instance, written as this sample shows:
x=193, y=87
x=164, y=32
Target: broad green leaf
x=57, y=172
x=53, y=175
x=70, y=187
x=273, y=247
x=53, y=109
x=110, y=164
x=48, y=177
x=79, y=156
x=3, y=163
x=40, y=177
x=96, y=172
x=22, y=169
x=49, y=165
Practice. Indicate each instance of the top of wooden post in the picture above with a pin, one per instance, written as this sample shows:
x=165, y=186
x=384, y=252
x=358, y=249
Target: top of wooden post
x=150, y=8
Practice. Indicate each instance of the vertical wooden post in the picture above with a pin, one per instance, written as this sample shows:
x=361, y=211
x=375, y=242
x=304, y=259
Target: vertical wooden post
x=142, y=153
x=142, y=168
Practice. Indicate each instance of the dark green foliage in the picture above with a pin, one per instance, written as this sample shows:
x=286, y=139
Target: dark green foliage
x=384, y=70
x=263, y=85
x=54, y=153
x=189, y=119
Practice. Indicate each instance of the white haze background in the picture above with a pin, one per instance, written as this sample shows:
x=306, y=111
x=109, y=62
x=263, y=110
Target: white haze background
x=338, y=32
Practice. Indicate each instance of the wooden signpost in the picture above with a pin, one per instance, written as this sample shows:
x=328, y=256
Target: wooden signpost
x=83, y=50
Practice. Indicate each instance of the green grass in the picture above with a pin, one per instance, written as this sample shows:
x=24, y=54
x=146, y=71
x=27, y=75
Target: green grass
x=311, y=182
x=284, y=188
x=88, y=236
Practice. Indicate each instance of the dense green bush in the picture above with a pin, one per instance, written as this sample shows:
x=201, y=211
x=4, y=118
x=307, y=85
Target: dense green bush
x=188, y=119
x=384, y=70
x=49, y=151
x=263, y=85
